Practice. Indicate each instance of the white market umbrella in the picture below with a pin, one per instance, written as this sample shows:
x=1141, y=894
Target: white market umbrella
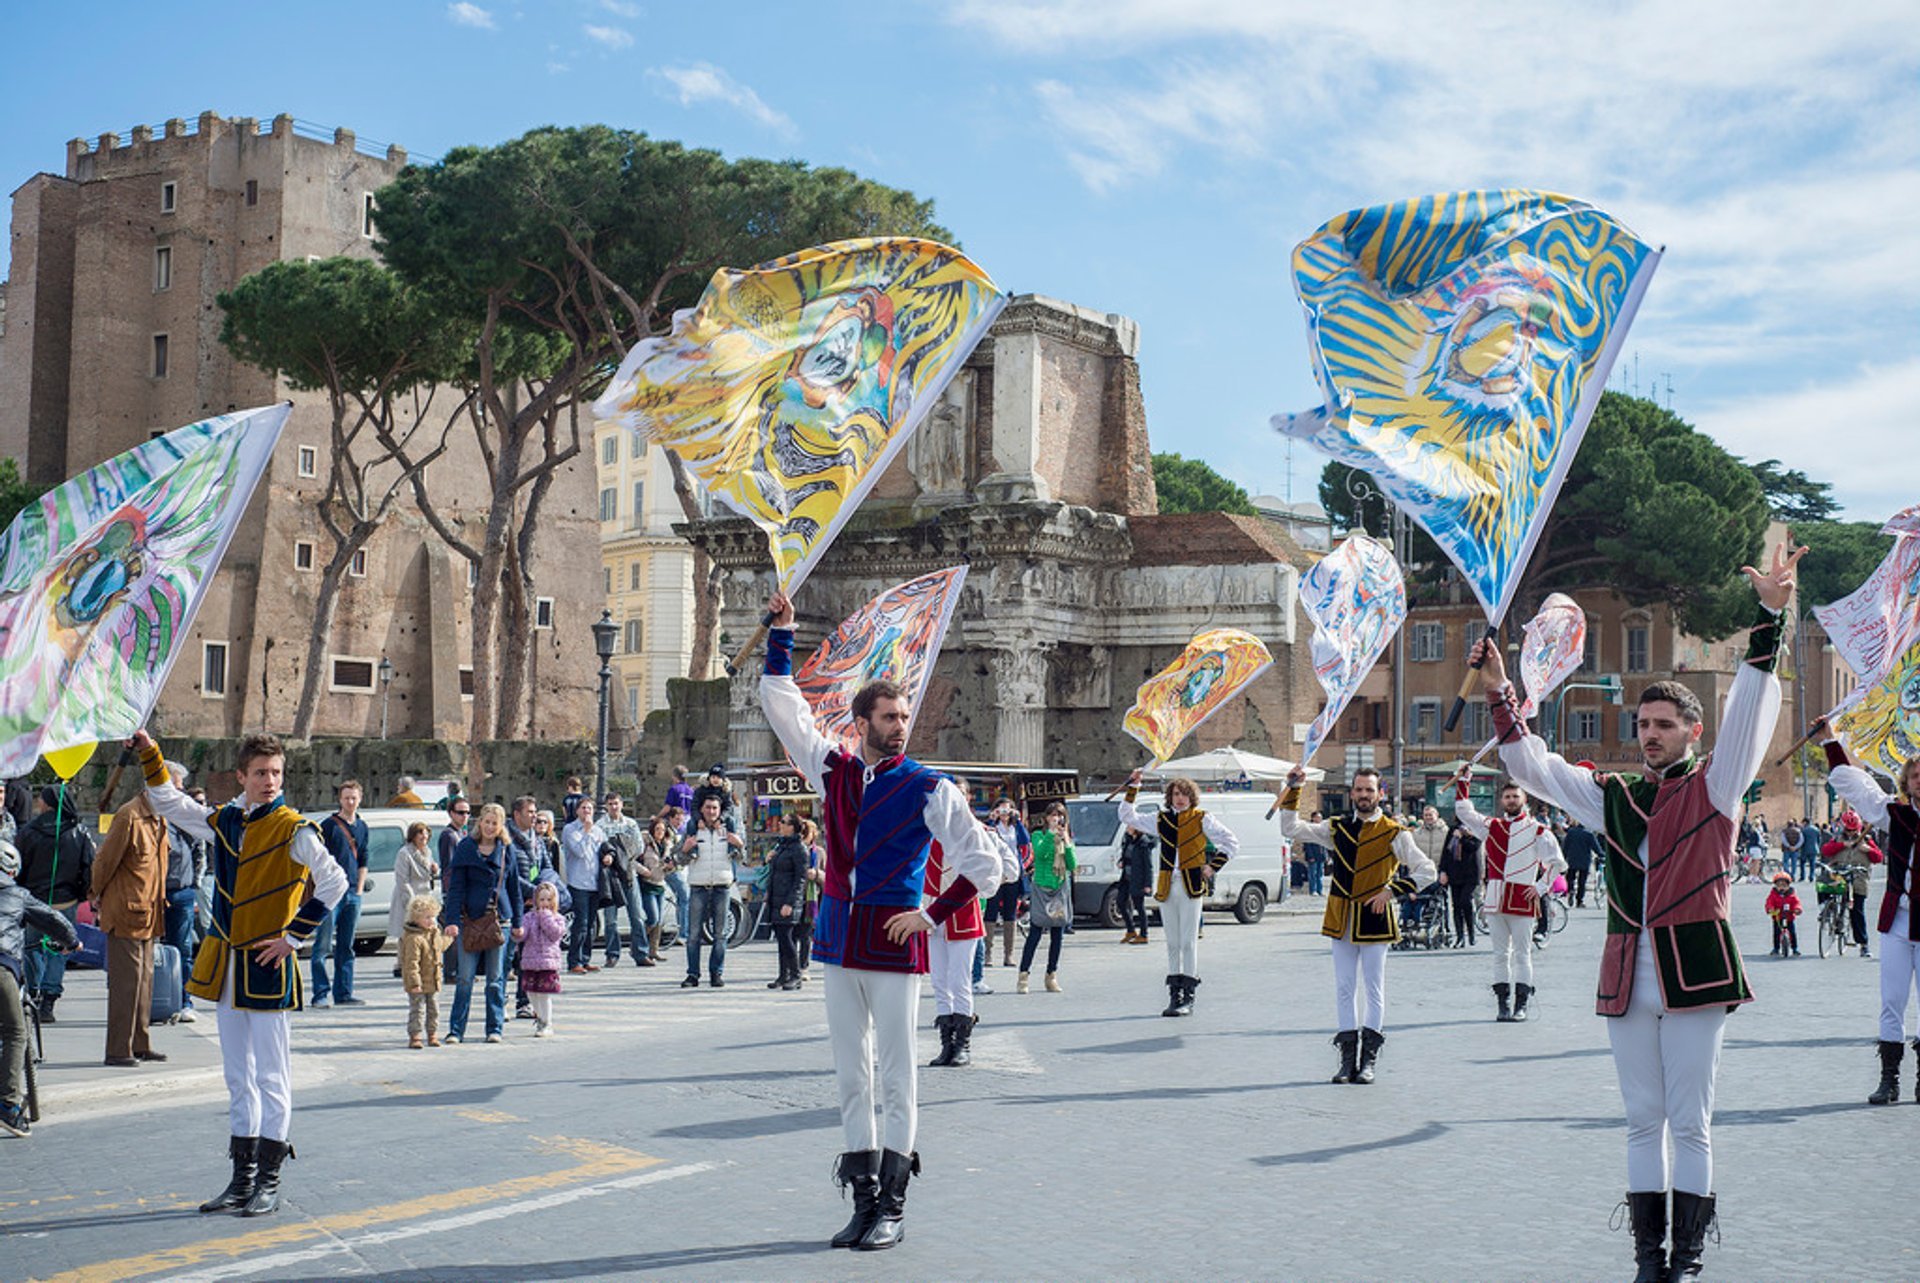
x=1230, y=763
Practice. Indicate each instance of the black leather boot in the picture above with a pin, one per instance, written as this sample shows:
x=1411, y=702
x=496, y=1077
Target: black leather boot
x=945, y=1025
x=890, y=1220
x=1504, y=993
x=1348, y=1041
x=1648, y=1213
x=1371, y=1041
x=266, y=1188
x=1520, y=995
x=858, y=1171
x=1175, y=988
x=1916, y=1071
x=1888, y=1093
x=1184, y=1007
x=246, y=1169
x=962, y=1035
x=1692, y=1221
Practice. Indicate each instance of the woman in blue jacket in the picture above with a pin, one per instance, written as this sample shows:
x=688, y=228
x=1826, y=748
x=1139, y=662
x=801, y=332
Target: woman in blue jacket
x=482, y=875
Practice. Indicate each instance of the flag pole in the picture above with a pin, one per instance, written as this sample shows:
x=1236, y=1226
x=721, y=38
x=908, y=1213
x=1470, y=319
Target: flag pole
x=1466, y=684
x=759, y=634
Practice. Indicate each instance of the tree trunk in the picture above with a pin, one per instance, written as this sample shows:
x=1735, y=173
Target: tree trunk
x=706, y=595
x=486, y=589
x=324, y=607
x=516, y=643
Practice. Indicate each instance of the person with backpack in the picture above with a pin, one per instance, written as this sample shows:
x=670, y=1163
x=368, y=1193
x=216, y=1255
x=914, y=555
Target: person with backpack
x=22, y=916
x=56, y=865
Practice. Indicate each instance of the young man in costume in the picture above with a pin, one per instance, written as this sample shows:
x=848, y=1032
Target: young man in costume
x=1372, y=859
x=1193, y=847
x=1522, y=859
x=951, y=950
x=881, y=812
x=1670, y=969
x=274, y=880
x=1899, y=926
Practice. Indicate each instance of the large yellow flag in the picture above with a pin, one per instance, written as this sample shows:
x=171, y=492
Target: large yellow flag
x=790, y=386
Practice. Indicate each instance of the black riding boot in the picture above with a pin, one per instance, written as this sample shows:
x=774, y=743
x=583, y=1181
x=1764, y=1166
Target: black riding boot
x=1371, y=1041
x=1888, y=1093
x=243, y=1150
x=1348, y=1041
x=266, y=1189
x=962, y=1035
x=860, y=1172
x=889, y=1225
x=1187, y=985
x=1648, y=1213
x=1692, y=1219
x=1504, y=993
x=1175, y=989
x=1916, y=1071
x=1520, y=995
x=945, y=1025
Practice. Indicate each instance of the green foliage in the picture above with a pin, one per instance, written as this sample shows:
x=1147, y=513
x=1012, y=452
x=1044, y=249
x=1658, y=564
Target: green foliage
x=555, y=225
x=15, y=492
x=1650, y=507
x=1793, y=496
x=1840, y=555
x=344, y=322
x=1355, y=503
x=1191, y=485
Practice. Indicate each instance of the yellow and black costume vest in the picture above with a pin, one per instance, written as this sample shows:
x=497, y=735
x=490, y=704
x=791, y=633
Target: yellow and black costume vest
x=1183, y=850
x=260, y=893
x=1363, y=863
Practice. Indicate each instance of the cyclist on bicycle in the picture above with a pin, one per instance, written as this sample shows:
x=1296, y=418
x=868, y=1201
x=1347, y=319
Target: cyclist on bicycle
x=1853, y=855
x=18, y=909
x=1783, y=906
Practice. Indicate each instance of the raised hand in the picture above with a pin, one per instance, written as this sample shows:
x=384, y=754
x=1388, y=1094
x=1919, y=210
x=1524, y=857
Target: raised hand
x=1493, y=668
x=779, y=611
x=1777, y=584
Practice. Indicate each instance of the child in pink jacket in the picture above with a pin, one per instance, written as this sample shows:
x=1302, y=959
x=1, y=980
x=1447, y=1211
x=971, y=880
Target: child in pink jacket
x=540, y=955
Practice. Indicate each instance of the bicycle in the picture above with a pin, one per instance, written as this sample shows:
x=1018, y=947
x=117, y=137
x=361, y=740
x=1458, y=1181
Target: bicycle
x=1836, y=930
x=1556, y=911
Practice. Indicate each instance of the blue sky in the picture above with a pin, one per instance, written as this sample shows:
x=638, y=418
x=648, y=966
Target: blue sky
x=1160, y=158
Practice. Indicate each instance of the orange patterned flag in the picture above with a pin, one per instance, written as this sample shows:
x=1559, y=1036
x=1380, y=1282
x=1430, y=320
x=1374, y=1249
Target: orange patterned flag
x=1215, y=666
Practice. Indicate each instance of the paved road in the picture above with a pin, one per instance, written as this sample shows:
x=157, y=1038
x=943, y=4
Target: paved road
x=687, y=1134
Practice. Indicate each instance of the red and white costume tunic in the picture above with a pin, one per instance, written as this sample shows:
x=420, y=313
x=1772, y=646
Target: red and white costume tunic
x=1522, y=858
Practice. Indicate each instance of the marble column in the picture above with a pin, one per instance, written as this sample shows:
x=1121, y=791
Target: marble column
x=1020, y=703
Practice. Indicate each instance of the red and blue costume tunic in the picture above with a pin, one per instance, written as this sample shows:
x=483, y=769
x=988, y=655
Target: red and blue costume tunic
x=880, y=823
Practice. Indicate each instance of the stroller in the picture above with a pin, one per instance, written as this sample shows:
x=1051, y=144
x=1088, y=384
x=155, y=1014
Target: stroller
x=1424, y=920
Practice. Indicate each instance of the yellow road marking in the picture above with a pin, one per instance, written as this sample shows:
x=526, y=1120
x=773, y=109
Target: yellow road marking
x=596, y=1162
x=489, y=1116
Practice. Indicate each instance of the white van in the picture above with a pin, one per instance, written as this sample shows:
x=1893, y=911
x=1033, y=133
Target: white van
x=1251, y=880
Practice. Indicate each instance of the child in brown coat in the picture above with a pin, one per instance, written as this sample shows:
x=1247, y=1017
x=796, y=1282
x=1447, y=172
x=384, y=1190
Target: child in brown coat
x=422, y=945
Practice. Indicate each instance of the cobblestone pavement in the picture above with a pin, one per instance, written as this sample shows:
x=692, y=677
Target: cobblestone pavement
x=687, y=1134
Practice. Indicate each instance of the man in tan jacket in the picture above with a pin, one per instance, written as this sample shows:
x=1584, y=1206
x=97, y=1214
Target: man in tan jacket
x=130, y=890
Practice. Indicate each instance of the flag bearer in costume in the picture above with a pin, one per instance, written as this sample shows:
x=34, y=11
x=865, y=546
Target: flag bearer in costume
x=1522, y=859
x=951, y=949
x=273, y=882
x=1193, y=847
x=1372, y=859
x=881, y=812
x=1670, y=970
x=1899, y=926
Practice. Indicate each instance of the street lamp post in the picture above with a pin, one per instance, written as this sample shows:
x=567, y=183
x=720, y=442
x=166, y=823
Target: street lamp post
x=386, y=682
x=604, y=634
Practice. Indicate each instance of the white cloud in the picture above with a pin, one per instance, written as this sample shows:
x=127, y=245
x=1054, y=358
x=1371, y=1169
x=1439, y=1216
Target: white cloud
x=703, y=82
x=610, y=37
x=470, y=15
x=1851, y=431
x=621, y=7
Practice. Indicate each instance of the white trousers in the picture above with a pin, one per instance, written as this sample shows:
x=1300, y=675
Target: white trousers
x=1512, y=937
x=1899, y=975
x=1180, y=926
x=1666, y=1062
x=870, y=1016
x=256, y=1053
x=950, y=968
x=1359, y=986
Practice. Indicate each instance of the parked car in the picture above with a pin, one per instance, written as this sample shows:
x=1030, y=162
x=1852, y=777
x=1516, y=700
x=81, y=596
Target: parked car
x=1253, y=879
x=386, y=834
